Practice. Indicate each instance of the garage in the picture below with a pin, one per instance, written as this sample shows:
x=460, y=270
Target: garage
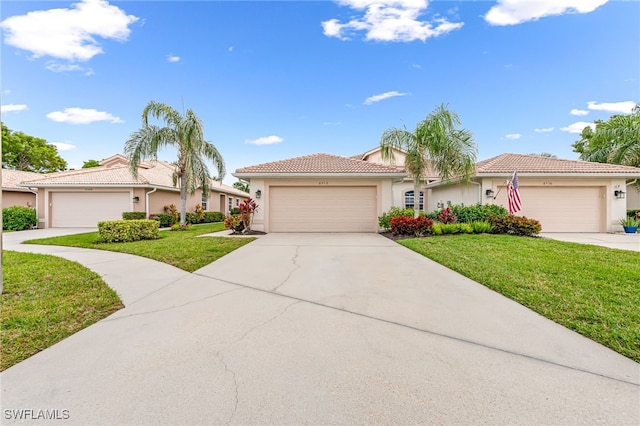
x=323, y=209
x=86, y=209
x=562, y=209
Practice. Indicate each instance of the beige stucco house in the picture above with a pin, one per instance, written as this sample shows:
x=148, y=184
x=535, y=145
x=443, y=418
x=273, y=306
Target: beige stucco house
x=82, y=198
x=14, y=195
x=328, y=193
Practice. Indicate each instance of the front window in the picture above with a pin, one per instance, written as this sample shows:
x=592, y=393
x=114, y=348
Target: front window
x=230, y=204
x=204, y=202
x=409, y=200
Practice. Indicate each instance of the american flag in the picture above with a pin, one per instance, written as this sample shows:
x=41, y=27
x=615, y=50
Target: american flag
x=513, y=194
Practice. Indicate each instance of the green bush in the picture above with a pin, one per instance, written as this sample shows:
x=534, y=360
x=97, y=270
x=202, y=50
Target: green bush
x=634, y=213
x=192, y=218
x=515, y=225
x=385, y=220
x=473, y=213
x=436, y=228
x=134, y=215
x=121, y=231
x=210, y=217
x=465, y=228
x=483, y=227
x=449, y=228
x=178, y=227
x=17, y=218
x=165, y=219
x=234, y=211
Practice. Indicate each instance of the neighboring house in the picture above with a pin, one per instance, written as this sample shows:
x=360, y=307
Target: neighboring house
x=82, y=198
x=328, y=193
x=14, y=195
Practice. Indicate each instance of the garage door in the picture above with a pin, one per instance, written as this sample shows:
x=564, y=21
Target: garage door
x=323, y=209
x=561, y=209
x=86, y=209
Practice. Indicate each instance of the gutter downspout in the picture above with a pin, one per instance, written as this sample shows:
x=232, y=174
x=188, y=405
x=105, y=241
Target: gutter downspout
x=632, y=182
x=36, y=209
x=146, y=201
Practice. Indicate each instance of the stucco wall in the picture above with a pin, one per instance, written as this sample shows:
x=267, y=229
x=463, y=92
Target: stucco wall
x=633, y=197
x=18, y=198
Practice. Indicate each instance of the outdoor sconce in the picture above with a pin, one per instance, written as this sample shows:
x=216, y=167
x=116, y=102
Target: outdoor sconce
x=258, y=193
x=136, y=199
x=489, y=193
x=619, y=193
x=440, y=205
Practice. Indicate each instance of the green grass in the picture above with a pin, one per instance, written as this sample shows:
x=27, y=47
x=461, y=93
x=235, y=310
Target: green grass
x=46, y=299
x=592, y=290
x=182, y=249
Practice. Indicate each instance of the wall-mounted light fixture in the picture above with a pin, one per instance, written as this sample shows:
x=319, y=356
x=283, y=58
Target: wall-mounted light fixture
x=619, y=193
x=258, y=193
x=136, y=199
x=440, y=204
x=489, y=193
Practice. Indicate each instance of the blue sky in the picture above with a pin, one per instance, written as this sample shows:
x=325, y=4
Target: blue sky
x=275, y=80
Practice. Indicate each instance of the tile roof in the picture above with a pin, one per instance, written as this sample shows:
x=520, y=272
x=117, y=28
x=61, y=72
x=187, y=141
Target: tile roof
x=536, y=164
x=320, y=163
x=11, y=178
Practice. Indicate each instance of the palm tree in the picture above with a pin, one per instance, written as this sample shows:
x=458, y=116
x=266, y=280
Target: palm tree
x=185, y=133
x=436, y=142
x=242, y=186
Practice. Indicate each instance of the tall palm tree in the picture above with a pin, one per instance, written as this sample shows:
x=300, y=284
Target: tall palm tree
x=436, y=142
x=185, y=133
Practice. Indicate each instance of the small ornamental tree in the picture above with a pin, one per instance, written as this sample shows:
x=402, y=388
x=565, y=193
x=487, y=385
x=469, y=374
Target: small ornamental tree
x=247, y=209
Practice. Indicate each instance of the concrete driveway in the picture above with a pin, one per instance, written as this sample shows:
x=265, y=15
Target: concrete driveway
x=616, y=241
x=318, y=329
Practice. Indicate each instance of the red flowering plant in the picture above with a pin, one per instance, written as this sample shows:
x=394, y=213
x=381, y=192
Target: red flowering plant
x=247, y=208
x=447, y=216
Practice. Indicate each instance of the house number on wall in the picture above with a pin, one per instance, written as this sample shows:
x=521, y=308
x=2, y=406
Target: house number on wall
x=323, y=182
x=547, y=183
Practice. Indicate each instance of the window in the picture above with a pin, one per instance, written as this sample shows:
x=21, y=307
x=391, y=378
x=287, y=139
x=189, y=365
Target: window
x=237, y=202
x=230, y=204
x=204, y=202
x=409, y=200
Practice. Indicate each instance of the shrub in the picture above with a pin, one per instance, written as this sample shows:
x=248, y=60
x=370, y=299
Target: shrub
x=483, y=227
x=385, y=220
x=514, y=225
x=634, y=213
x=235, y=211
x=247, y=209
x=210, y=217
x=436, y=229
x=17, y=218
x=477, y=212
x=465, y=228
x=449, y=228
x=165, y=219
x=447, y=216
x=121, y=231
x=178, y=227
x=133, y=215
x=173, y=211
x=407, y=225
x=192, y=218
x=199, y=212
x=234, y=222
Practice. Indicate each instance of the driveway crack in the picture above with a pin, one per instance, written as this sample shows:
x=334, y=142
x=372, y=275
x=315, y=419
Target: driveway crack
x=296, y=267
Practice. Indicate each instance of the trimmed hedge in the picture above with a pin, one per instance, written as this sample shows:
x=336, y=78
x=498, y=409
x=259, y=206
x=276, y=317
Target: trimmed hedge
x=17, y=218
x=133, y=215
x=210, y=217
x=473, y=213
x=122, y=231
x=515, y=225
x=407, y=225
x=164, y=219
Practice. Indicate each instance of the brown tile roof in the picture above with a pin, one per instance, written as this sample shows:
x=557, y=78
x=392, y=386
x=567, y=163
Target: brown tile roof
x=320, y=164
x=535, y=164
x=11, y=178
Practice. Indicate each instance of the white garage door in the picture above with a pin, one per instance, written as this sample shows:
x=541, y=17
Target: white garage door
x=562, y=209
x=323, y=209
x=86, y=209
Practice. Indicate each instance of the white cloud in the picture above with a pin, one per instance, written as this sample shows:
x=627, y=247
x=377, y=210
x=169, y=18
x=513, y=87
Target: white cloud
x=332, y=123
x=230, y=49
x=57, y=67
x=577, y=127
x=544, y=130
x=382, y=96
x=173, y=58
x=13, y=108
x=618, y=107
x=265, y=140
x=579, y=112
x=512, y=12
x=63, y=146
x=82, y=116
x=68, y=33
x=513, y=136
x=389, y=20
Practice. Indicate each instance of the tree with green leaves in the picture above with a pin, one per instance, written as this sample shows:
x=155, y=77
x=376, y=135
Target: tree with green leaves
x=614, y=141
x=29, y=153
x=90, y=163
x=242, y=186
x=185, y=133
x=437, y=142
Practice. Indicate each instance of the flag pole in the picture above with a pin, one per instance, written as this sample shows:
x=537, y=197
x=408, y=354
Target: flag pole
x=500, y=189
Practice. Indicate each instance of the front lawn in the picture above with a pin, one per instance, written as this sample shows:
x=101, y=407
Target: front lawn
x=46, y=299
x=182, y=249
x=592, y=290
